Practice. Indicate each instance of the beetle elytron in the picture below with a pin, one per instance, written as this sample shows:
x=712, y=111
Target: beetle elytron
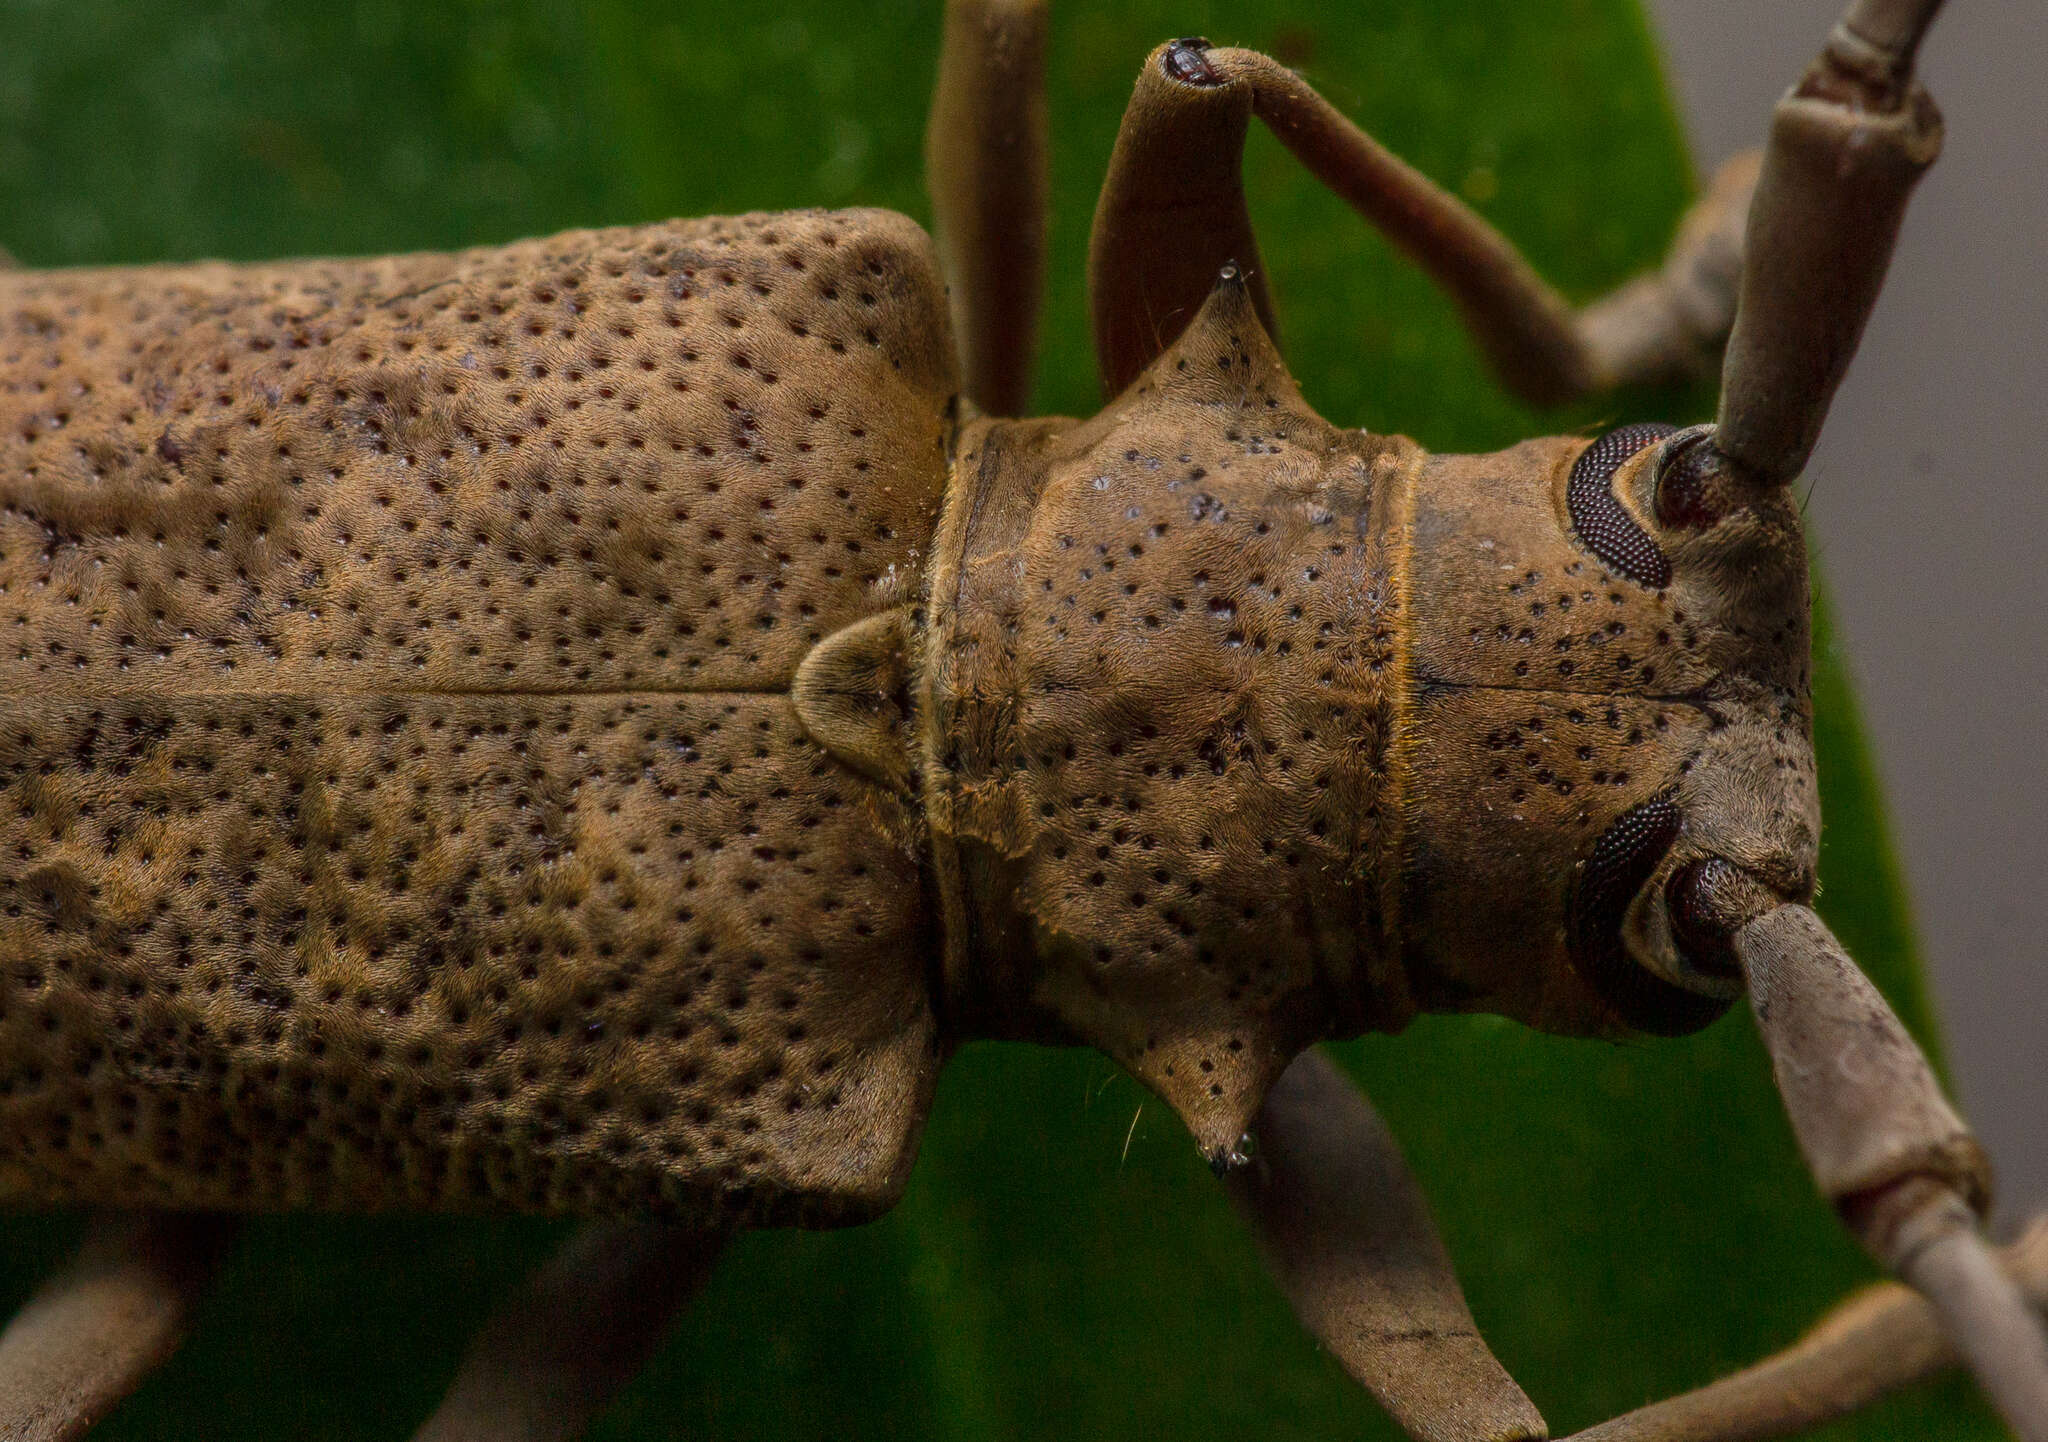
x=588, y=726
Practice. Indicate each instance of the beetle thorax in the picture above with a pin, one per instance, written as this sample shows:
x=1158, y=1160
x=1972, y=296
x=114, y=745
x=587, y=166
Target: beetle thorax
x=1161, y=693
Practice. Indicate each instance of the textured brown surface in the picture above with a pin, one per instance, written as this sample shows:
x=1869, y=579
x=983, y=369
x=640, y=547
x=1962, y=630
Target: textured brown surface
x=402, y=806
x=1247, y=731
x=1163, y=694
x=1552, y=696
x=461, y=725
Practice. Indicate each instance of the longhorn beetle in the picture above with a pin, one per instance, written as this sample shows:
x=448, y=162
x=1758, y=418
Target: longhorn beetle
x=589, y=726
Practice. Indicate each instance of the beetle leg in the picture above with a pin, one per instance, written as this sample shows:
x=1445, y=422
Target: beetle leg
x=1875, y=1342
x=1172, y=214
x=1347, y=1232
x=550, y=1358
x=985, y=166
x=1846, y=147
x=1373, y=1284
x=97, y=1328
x=1886, y=1148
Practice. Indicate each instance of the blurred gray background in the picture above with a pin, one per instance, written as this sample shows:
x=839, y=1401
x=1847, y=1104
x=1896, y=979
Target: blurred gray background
x=1929, y=512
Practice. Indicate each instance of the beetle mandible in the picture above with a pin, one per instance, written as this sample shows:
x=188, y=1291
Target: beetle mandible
x=323, y=907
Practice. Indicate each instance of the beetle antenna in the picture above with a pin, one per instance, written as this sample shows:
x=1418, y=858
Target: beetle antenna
x=1847, y=145
x=1889, y=1151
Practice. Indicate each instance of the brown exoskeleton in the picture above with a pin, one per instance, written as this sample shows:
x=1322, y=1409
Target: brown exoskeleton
x=588, y=726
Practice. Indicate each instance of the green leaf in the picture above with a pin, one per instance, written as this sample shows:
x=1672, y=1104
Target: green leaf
x=1630, y=1221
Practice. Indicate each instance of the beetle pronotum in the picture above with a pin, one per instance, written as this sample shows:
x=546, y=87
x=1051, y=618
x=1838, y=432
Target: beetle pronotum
x=486, y=721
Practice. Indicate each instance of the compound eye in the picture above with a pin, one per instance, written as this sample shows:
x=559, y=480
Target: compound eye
x=1602, y=522
x=1624, y=858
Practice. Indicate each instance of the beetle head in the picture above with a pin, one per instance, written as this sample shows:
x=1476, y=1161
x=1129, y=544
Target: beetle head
x=1611, y=671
